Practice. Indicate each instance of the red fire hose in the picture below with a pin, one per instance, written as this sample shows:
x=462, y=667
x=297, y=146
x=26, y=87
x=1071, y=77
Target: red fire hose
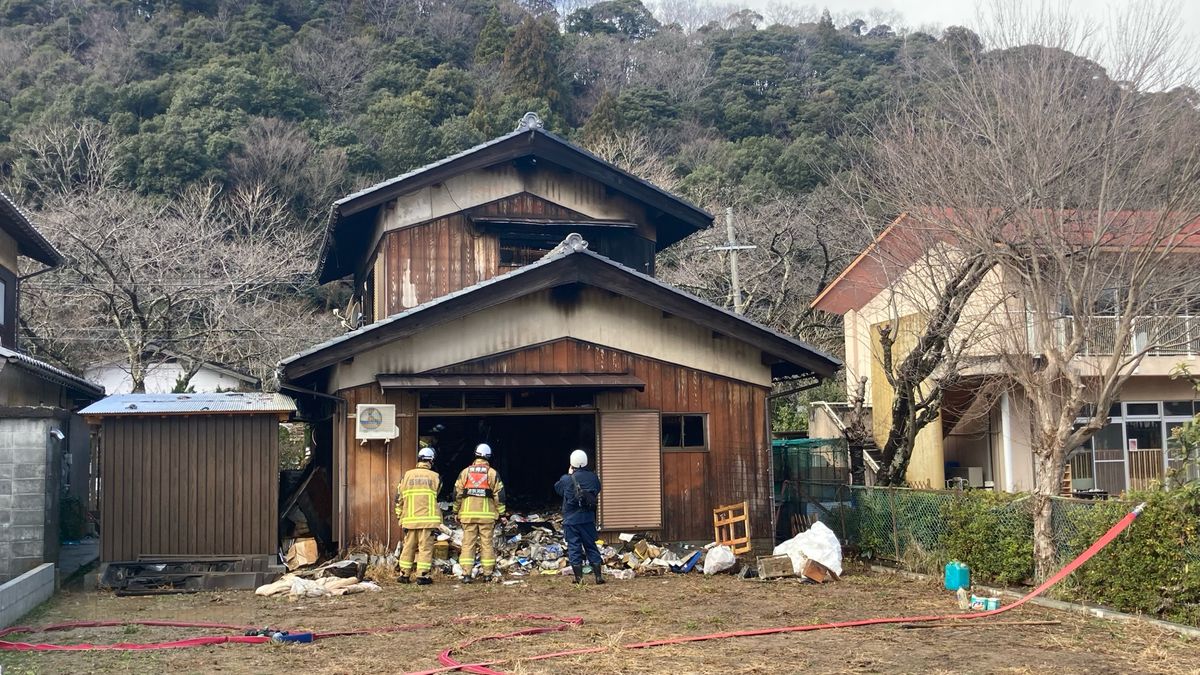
x=447, y=658
x=563, y=623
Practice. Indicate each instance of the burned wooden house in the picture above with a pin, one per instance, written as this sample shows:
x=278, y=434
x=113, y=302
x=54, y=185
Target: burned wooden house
x=508, y=296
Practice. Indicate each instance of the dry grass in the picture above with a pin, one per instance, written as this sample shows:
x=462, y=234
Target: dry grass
x=616, y=614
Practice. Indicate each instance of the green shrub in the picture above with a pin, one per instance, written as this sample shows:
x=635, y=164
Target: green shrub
x=992, y=533
x=1154, y=566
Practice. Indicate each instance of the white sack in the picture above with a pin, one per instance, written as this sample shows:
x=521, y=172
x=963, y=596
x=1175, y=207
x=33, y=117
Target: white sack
x=816, y=543
x=719, y=559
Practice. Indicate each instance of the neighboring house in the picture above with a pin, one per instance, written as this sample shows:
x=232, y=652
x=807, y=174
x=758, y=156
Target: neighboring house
x=44, y=448
x=486, y=322
x=162, y=376
x=984, y=430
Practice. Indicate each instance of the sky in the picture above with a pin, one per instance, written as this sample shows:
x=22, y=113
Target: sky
x=930, y=14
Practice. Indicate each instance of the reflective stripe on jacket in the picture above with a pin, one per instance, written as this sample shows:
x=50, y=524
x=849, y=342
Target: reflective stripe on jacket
x=416, y=498
x=483, y=509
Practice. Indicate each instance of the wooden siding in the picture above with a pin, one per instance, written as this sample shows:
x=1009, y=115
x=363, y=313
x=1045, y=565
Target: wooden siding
x=189, y=484
x=736, y=467
x=419, y=263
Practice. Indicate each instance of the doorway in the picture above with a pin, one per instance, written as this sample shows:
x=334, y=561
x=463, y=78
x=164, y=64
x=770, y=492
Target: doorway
x=529, y=451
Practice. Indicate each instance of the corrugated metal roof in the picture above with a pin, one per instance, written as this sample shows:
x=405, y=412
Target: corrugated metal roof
x=548, y=381
x=181, y=404
x=49, y=372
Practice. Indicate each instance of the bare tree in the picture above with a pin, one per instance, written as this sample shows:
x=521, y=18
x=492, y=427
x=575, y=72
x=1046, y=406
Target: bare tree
x=1081, y=188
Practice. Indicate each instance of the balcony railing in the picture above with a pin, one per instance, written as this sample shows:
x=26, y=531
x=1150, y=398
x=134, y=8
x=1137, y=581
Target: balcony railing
x=1166, y=336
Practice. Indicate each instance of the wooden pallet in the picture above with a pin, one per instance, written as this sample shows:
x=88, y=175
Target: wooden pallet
x=731, y=527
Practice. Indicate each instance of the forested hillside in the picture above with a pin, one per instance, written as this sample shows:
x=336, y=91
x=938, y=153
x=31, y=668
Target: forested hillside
x=184, y=153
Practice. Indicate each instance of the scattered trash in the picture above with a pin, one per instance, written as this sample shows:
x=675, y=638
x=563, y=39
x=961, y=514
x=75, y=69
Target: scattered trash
x=775, y=567
x=964, y=599
x=817, y=543
x=719, y=559
x=301, y=553
x=981, y=604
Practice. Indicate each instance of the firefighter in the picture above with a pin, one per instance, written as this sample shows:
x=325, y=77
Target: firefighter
x=580, y=490
x=417, y=511
x=479, y=502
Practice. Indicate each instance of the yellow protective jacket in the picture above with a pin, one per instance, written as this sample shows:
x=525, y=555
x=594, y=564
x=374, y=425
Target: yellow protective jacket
x=416, y=498
x=479, y=494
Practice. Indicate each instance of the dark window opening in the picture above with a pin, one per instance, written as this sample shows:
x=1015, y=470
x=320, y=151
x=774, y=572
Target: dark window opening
x=1146, y=409
x=520, y=252
x=684, y=432
x=574, y=399
x=531, y=399
x=440, y=400
x=485, y=399
x=1178, y=408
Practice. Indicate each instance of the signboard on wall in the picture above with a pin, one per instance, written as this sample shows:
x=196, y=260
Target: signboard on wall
x=1133, y=445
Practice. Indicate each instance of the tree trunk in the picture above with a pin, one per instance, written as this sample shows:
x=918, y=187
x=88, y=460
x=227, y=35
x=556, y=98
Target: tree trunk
x=858, y=469
x=1047, y=481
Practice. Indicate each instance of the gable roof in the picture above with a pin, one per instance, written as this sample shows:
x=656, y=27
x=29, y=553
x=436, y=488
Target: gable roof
x=30, y=242
x=909, y=236
x=567, y=265
x=50, y=373
x=350, y=223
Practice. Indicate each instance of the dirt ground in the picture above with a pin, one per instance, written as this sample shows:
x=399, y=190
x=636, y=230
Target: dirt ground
x=617, y=613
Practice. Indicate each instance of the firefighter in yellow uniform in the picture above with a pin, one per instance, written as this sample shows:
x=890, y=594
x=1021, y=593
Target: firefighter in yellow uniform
x=417, y=510
x=479, y=502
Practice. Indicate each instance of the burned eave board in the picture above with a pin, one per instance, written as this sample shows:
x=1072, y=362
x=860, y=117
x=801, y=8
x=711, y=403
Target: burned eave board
x=785, y=355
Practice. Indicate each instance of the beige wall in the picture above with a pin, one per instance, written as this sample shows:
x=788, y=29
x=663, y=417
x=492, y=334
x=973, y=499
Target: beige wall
x=596, y=316
x=474, y=188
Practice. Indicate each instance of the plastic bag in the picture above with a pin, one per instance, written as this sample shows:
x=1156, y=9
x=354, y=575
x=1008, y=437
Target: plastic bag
x=817, y=543
x=719, y=559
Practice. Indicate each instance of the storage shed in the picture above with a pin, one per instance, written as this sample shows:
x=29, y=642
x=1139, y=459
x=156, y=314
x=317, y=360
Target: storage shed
x=188, y=474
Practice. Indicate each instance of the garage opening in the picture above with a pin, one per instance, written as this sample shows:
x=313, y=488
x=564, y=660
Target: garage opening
x=531, y=451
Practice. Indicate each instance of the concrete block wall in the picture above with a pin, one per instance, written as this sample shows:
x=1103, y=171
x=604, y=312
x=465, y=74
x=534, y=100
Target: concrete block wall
x=20, y=595
x=28, y=496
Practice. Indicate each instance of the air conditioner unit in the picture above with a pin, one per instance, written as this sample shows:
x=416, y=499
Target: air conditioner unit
x=375, y=421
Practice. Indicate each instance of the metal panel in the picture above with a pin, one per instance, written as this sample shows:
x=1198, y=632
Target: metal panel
x=206, y=403
x=630, y=471
x=190, y=485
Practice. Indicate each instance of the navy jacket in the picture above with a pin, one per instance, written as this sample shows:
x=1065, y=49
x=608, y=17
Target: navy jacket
x=573, y=514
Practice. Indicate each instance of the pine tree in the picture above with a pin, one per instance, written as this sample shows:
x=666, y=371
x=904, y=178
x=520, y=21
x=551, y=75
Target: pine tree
x=531, y=60
x=493, y=40
x=605, y=119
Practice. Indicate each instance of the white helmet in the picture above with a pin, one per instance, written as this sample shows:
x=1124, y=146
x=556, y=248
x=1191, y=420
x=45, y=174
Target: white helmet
x=578, y=459
x=483, y=450
x=425, y=454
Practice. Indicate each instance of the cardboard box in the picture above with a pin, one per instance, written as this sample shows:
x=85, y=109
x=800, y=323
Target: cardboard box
x=302, y=552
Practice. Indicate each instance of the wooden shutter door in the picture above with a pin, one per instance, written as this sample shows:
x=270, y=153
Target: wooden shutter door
x=630, y=466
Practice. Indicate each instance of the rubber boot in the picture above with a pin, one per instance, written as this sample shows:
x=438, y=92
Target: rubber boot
x=403, y=578
x=424, y=581
x=596, y=569
x=578, y=570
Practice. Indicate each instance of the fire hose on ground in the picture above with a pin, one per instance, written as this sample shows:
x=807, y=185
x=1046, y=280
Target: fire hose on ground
x=450, y=663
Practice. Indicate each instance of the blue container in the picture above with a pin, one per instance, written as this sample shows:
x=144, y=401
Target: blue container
x=958, y=575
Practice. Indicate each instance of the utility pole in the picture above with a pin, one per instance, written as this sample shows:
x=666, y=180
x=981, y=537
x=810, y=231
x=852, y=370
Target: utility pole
x=733, y=247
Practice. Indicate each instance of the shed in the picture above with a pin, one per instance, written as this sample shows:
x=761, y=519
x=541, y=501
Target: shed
x=188, y=474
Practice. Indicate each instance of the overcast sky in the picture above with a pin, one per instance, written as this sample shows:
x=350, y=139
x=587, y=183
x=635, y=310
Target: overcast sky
x=962, y=12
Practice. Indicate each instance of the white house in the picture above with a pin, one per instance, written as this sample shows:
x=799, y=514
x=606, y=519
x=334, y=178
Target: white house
x=163, y=375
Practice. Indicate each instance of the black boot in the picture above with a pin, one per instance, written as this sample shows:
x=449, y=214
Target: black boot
x=578, y=570
x=424, y=581
x=599, y=572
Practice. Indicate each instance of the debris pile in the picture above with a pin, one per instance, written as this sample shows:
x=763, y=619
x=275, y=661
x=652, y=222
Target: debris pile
x=533, y=543
x=344, y=577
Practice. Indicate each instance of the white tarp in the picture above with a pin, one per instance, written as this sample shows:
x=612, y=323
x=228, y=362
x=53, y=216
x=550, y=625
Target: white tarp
x=817, y=543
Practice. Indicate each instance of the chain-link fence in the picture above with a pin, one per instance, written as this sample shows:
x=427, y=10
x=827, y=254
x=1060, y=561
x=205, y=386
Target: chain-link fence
x=811, y=476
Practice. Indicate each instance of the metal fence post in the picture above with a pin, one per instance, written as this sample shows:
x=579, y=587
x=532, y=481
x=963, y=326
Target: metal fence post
x=895, y=533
